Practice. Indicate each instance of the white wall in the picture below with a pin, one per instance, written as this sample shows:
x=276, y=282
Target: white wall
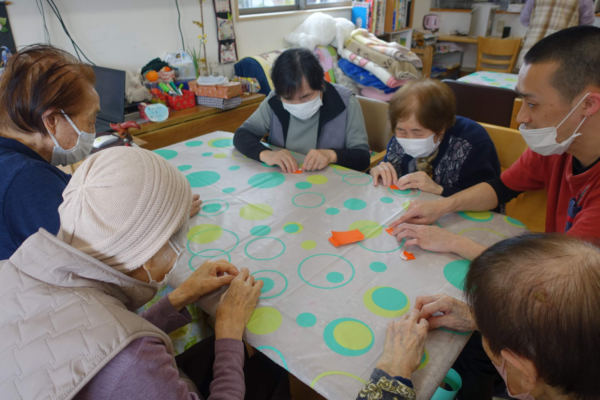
x=126, y=34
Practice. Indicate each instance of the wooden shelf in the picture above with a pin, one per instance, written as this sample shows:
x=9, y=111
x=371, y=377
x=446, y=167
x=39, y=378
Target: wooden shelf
x=460, y=10
x=508, y=12
x=457, y=39
x=398, y=31
x=389, y=16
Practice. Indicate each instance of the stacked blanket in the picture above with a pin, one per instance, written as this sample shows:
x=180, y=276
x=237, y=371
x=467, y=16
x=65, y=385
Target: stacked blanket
x=379, y=68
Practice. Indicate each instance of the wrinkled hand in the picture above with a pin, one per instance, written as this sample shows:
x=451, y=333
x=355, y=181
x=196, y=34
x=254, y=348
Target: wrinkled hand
x=419, y=180
x=237, y=305
x=316, y=160
x=431, y=238
x=387, y=172
x=209, y=277
x=422, y=213
x=283, y=158
x=457, y=314
x=404, y=345
x=196, y=203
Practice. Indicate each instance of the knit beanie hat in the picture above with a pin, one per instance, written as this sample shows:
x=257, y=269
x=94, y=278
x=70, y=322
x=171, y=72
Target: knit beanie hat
x=122, y=205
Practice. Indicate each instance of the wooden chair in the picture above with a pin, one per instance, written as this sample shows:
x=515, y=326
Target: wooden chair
x=426, y=55
x=377, y=122
x=529, y=207
x=497, y=52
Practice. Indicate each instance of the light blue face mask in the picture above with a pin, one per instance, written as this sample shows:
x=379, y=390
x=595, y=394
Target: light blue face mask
x=82, y=149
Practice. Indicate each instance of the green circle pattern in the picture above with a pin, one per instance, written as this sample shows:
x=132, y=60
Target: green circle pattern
x=166, y=154
x=264, y=259
x=260, y=230
x=404, y=193
x=335, y=346
x=203, y=178
x=275, y=272
x=267, y=180
x=306, y=320
x=357, y=175
x=332, y=211
x=455, y=272
x=355, y=204
x=325, y=287
x=305, y=193
x=212, y=205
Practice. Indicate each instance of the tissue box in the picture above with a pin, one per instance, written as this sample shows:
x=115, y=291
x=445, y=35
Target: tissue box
x=223, y=104
x=227, y=91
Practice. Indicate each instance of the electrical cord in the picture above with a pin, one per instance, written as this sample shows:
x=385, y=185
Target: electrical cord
x=179, y=23
x=40, y=6
x=78, y=50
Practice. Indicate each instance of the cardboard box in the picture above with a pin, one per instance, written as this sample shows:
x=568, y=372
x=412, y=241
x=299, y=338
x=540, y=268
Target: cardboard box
x=227, y=91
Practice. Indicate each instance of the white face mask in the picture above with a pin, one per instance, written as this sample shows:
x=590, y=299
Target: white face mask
x=419, y=147
x=304, y=110
x=163, y=282
x=82, y=149
x=543, y=140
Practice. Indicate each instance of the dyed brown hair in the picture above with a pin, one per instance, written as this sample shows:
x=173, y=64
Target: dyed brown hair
x=431, y=102
x=538, y=295
x=37, y=79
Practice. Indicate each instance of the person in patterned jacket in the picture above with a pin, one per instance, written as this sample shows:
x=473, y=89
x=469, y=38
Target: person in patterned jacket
x=434, y=150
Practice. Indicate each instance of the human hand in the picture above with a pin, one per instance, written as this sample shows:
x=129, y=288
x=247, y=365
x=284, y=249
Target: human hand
x=422, y=213
x=237, y=305
x=429, y=238
x=283, y=158
x=386, y=171
x=207, y=278
x=457, y=314
x=419, y=180
x=404, y=345
x=196, y=203
x=318, y=159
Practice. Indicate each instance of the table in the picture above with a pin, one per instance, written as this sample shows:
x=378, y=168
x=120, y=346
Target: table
x=324, y=310
x=192, y=122
x=495, y=79
x=457, y=39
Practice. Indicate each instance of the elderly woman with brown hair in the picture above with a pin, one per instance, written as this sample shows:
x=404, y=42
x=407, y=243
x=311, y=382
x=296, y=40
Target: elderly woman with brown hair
x=48, y=108
x=67, y=321
x=433, y=149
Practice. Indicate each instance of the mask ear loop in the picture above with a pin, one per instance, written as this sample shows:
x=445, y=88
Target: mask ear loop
x=573, y=110
x=71, y=122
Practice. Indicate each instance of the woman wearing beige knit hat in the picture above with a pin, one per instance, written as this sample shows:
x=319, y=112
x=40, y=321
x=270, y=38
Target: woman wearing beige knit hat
x=72, y=297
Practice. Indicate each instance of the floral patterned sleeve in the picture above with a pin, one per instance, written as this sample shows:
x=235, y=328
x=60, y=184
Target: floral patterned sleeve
x=382, y=386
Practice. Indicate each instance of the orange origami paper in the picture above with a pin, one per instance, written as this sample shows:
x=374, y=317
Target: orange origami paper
x=394, y=187
x=389, y=230
x=342, y=238
x=407, y=256
x=297, y=172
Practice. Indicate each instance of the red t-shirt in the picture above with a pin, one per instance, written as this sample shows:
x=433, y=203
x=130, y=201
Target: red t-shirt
x=533, y=171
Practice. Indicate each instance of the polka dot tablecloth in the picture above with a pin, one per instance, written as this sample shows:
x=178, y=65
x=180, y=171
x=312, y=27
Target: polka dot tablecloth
x=496, y=79
x=323, y=311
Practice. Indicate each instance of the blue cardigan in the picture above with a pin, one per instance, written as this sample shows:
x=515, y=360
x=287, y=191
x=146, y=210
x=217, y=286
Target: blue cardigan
x=30, y=193
x=466, y=157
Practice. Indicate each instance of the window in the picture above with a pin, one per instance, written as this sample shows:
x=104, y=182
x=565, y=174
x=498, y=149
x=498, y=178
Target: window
x=248, y=7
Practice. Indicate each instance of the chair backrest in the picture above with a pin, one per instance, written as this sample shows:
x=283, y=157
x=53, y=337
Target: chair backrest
x=509, y=144
x=377, y=121
x=497, y=55
x=480, y=103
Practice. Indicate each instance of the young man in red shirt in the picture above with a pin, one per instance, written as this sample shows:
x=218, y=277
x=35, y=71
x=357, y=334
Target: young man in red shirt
x=560, y=85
